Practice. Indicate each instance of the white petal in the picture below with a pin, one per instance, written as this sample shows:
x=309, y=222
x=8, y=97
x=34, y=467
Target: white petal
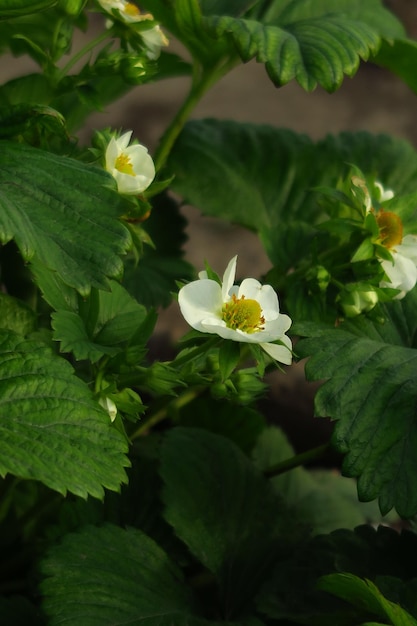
x=154, y=39
x=408, y=247
x=275, y=329
x=264, y=294
x=123, y=140
x=279, y=353
x=402, y=273
x=112, y=152
x=200, y=300
x=130, y=184
x=229, y=278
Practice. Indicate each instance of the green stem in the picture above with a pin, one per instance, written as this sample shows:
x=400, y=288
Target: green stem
x=202, y=80
x=296, y=461
x=159, y=416
x=87, y=48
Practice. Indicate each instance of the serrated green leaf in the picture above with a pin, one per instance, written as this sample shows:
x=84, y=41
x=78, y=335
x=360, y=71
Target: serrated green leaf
x=153, y=280
x=264, y=178
x=316, y=51
x=102, y=324
x=16, y=315
x=223, y=510
x=372, y=13
x=16, y=8
x=70, y=331
x=56, y=293
x=52, y=430
x=61, y=214
x=370, y=390
x=365, y=595
x=133, y=578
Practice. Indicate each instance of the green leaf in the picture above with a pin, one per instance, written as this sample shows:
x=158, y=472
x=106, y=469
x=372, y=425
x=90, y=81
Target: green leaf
x=382, y=555
x=56, y=293
x=370, y=390
x=371, y=13
x=263, y=177
x=52, y=430
x=223, y=510
x=400, y=57
x=16, y=315
x=365, y=595
x=242, y=424
x=32, y=88
x=153, y=280
x=324, y=498
x=313, y=47
x=225, y=7
x=229, y=357
x=104, y=322
x=128, y=572
x=16, y=8
x=61, y=214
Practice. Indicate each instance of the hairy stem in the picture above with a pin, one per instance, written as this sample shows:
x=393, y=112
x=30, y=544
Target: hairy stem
x=202, y=80
x=296, y=461
x=161, y=414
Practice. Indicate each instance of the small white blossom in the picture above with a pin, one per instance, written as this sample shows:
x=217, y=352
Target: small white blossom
x=131, y=166
x=401, y=271
x=109, y=406
x=247, y=313
x=154, y=39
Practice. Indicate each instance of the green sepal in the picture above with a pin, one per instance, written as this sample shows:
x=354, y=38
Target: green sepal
x=365, y=251
x=229, y=357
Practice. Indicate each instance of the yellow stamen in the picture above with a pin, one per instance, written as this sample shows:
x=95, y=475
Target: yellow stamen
x=131, y=9
x=390, y=228
x=124, y=164
x=243, y=314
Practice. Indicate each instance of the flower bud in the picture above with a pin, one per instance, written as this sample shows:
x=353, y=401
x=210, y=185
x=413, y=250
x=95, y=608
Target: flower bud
x=355, y=300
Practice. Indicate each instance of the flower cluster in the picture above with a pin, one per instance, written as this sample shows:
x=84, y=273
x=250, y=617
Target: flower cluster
x=131, y=166
x=247, y=313
x=153, y=37
x=401, y=266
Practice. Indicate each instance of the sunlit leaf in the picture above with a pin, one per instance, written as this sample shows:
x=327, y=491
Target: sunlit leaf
x=52, y=430
x=62, y=214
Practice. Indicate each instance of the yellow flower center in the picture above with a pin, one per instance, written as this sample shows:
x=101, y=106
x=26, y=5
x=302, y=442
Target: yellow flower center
x=243, y=314
x=131, y=9
x=390, y=228
x=124, y=165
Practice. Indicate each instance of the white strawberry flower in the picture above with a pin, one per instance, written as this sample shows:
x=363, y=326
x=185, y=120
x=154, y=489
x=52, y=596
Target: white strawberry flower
x=153, y=38
x=248, y=313
x=131, y=166
x=401, y=271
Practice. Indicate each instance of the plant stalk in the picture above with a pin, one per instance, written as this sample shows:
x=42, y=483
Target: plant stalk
x=296, y=461
x=159, y=416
